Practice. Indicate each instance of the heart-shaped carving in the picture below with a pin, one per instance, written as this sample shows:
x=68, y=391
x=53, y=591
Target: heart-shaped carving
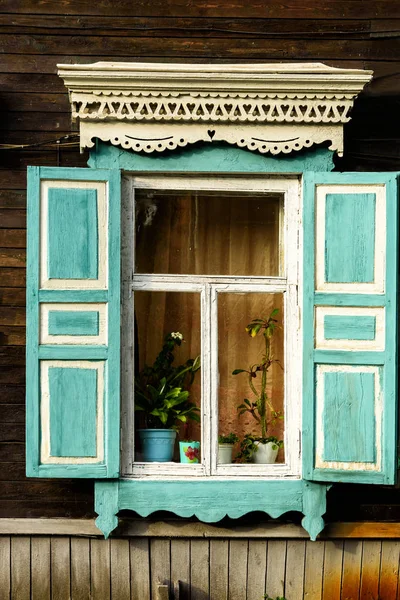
x=211, y=133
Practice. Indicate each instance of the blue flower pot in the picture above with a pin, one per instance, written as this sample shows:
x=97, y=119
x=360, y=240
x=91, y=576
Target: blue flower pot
x=157, y=444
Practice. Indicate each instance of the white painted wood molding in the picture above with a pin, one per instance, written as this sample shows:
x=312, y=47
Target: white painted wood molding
x=151, y=107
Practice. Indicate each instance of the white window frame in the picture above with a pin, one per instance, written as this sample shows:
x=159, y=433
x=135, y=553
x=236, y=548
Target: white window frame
x=209, y=287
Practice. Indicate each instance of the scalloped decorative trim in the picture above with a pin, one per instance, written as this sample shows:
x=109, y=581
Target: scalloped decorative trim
x=202, y=101
x=274, y=139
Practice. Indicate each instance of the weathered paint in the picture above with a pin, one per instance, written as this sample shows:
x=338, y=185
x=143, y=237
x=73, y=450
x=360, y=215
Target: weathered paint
x=349, y=327
x=349, y=399
x=73, y=399
x=384, y=361
x=211, y=500
x=73, y=322
x=216, y=158
x=349, y=238
x=124, y=568
x=107, y=463
x=72, y=234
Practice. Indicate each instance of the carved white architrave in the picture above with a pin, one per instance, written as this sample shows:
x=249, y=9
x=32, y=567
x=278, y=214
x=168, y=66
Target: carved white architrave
x=151, y=107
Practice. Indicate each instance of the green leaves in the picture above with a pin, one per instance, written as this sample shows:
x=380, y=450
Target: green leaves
x=162, y=390
x=237, y=371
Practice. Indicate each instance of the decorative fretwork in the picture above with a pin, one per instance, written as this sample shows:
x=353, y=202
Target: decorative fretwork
x=230, y=109
x=277, y=108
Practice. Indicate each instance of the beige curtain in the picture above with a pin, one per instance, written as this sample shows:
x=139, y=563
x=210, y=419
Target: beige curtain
x=213, y=234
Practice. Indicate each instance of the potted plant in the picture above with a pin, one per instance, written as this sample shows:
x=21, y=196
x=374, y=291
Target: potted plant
x=162, y=398
x=189, y=450
x=225, y=447
x=260, y=449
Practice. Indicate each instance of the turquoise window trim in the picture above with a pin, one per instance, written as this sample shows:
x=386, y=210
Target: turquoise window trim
x=211, y=501
x=109, y=465
x=388, y=358
x=187, y=497
x=210, y=158
x=147, y=496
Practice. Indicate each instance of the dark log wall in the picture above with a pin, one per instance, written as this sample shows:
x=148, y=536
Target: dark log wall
x=35, y=35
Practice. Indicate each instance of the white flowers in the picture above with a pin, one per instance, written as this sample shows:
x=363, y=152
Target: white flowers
x=176, y=335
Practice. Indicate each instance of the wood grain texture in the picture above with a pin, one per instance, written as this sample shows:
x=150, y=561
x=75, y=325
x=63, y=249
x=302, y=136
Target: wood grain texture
x=192, y=48
x=219, y=560
x=120, y=569
x=351, y=573
x=313, y=571
x=276, y=561
x=199, y=569
x=60, y=568
x=238, y=560
x=80, y=569
x=332, y=580
x=180, y=566
x=370, y=568
x=20, y=568
x=389, y=570
x=294, y=579
x=100, y=569
x=203, y=8
x=140, y=568
x=160, y=565
x=40, y=568
x=256, y=568
x=5, y=567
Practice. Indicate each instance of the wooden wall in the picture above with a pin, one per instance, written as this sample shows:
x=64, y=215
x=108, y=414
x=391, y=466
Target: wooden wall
x=77, y=568
x=35, y=35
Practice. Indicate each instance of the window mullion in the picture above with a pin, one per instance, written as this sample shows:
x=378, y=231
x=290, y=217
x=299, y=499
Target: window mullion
x=214, y=375
x=206, y=376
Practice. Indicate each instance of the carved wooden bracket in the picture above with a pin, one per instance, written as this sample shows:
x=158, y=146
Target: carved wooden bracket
x=276, y=108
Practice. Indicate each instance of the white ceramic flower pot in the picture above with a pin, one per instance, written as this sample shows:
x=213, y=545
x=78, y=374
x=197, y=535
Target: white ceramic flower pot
x=265, y=454
x=225, y=454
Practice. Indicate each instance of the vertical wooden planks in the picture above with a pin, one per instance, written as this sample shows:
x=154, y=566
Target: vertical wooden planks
x=238, y=556
x=5, y=567
x=294, y=578
x=80, y=569
x=120, y=576
x=20, y=567
x=313, y=570
x=219, y=560
x=40, y=568
x=276, y=561
x=370, y=567
x=389, y=574
x=60, y=558
x=160, y=564
x=140, y=568
x=180, y=566
x=256, y=568
x=100, y=569
x=199, y=569
x=351, y=569
x=332, y=581
x=389, y=570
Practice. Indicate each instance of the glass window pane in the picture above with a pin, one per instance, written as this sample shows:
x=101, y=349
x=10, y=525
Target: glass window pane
x=245, y=397
x=204, y=233
x=167, y=374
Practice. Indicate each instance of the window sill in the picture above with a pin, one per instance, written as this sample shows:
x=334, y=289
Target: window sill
x=210, y=500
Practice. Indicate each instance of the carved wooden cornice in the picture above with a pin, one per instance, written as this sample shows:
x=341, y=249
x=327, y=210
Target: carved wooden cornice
x=272, y=108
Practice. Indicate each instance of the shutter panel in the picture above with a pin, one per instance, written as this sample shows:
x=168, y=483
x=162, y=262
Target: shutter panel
x=350, y=272
x=73, y=323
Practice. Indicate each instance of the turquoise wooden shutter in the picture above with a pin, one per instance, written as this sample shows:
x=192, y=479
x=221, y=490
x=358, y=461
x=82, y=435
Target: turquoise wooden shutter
x=350, y=272
x=73, y=323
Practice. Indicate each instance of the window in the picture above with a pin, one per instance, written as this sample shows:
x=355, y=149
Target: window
x=208, y=255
